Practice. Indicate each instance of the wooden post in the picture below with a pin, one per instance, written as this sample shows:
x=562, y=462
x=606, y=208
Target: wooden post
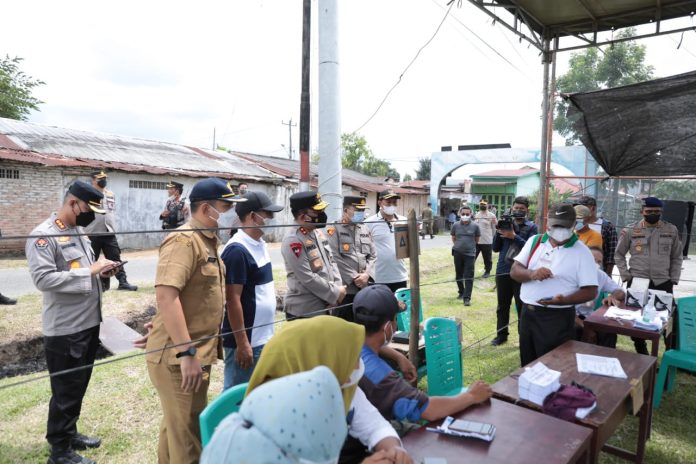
x=413, y=251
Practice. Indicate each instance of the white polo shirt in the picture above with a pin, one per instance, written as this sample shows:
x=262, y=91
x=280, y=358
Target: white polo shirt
x=572, y=266
x=388, y=269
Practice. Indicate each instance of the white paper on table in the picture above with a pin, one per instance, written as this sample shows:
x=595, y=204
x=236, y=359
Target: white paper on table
x=600, y=365
x=625, y=314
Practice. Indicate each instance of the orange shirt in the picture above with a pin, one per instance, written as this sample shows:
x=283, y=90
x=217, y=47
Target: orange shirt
x=590, y=238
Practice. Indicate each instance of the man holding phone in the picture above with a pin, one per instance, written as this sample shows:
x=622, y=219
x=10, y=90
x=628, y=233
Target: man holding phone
x=63, y=268
x=557, y=271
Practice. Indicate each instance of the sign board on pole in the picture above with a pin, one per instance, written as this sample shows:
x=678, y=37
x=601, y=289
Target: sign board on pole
x=401, y=240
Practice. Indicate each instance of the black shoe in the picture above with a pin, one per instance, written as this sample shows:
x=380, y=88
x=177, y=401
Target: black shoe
x=6, y=300
x=124, y=285
x=467, y=302
x=486, y=275
x=81, y=442
x=497, y=341
x=68, y=456
x=460, y=296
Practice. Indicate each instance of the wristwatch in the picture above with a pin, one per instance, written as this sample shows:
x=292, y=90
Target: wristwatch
x=190, y=352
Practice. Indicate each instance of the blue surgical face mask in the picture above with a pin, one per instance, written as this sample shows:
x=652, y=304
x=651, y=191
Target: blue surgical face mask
x=579, y=225
x=358, y=217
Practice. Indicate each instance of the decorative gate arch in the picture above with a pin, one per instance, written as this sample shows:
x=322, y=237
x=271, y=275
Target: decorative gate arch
x=442, y=163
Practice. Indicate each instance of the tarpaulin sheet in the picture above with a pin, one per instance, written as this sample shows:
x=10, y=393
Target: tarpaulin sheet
x=646, y=129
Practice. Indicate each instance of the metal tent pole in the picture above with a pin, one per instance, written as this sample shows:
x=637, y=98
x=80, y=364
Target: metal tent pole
x=543, y=194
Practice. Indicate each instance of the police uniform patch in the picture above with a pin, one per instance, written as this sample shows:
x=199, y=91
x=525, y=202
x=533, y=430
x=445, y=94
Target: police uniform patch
x=346, y=247
x=60, y=224
x=309, y=242
x=317, y=264
x=296, y=248
x=331, y=230
x=41, y=243
x=64, y=239
x=314, y=253
x=75, y=264
x=303, y=230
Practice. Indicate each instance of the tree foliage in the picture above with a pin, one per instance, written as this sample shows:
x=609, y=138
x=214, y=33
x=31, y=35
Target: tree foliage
x=684, y=190
x=407, y=177
x=621, y=63
x=423, y=170
x=16, y=99
x=358, y=156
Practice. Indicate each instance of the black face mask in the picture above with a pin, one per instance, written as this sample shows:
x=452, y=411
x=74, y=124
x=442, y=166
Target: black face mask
x=101, y=183
x=84, y=219
x=483, y=208
x=652, y=218
x=320, y=220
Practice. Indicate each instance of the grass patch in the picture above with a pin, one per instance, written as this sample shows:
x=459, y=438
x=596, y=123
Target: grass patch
x=123, y=408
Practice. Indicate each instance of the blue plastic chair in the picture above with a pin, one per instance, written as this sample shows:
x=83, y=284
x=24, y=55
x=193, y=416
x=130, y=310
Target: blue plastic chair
x=684, y=356
x=444, y=354
x=225, y=404
x=403, y=319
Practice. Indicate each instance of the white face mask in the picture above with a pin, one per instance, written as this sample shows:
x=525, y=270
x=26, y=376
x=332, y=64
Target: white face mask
x=466, y=218
x=225, y=220
x=560, y=234
x=264, y=226
x=388, y=339
x=390, y=210
x=355, y=376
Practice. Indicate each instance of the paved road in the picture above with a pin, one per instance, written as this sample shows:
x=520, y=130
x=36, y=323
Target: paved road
x=141, y=268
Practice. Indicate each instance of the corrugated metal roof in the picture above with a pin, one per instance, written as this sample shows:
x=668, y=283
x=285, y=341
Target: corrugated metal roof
x=291, y=168
x=121, y=152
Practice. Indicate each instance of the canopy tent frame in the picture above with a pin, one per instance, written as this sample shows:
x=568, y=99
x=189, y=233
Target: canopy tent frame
x=525, y=21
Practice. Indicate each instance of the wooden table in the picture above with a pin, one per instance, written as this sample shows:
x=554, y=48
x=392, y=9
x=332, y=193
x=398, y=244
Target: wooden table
x=522, y=436
x=614, y=400
x=598, y=323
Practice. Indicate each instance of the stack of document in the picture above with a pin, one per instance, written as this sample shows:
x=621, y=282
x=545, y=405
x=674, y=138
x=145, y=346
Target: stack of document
x=537, y=382
x=655, y=324
x=600, y=365
x=615, y=312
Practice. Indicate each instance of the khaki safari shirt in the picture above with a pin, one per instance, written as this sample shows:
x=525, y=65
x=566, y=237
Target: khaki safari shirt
x=314, y=280
x=189, y=261
x=656, y=252
x=353, y=250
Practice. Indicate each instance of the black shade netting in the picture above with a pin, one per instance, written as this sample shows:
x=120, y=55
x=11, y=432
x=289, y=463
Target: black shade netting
x=646, y=129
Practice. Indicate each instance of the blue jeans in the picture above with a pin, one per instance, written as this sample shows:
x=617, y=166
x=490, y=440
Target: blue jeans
x=234, y=375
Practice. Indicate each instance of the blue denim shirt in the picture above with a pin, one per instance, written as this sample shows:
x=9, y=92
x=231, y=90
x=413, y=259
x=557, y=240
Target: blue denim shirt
x=501, y=245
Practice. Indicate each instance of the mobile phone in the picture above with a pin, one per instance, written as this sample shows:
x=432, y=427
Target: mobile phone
x=111, y=267
x=465, y=426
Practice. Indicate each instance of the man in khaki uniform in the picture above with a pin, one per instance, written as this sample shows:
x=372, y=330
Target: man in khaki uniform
x=314, y=281
x=656, y=253
x=353, y=250
x=190, y=289
x=427, y=218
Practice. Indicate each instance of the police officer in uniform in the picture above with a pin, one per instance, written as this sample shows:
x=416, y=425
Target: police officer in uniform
x=314, y=281
x=63, y=268
x=175, y=211
x=105, y=223
x=190, y=289
x=353, y=250
x=656, y=252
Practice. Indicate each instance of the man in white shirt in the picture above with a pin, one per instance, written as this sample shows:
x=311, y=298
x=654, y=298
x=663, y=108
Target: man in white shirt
x=389, y=270
x=487, y=223
x=250, y=294
x=557, y=271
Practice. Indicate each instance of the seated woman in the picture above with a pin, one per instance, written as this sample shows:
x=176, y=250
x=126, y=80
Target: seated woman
x=616, y=297
x=329, y=341
x=265, y=431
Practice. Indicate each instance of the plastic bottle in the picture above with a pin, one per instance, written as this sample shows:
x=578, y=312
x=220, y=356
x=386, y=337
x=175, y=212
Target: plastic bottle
x=649, y=313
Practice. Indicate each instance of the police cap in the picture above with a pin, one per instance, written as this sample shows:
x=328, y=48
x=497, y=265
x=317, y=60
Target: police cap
x=387, y=194
x=652, y=202
x=177, y=185
x=88, y=194
x=213, y=188
x=307, y=200
x=374, y=304
x=357, y=202
x=99, y=174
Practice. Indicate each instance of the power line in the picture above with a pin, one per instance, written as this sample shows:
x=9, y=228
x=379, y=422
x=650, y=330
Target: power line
x=398, y=81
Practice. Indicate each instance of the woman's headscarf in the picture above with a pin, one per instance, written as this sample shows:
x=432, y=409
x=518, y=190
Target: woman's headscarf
x=304, y=344
x=298, y=418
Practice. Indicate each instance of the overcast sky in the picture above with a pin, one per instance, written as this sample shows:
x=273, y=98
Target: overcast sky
x=174, y=70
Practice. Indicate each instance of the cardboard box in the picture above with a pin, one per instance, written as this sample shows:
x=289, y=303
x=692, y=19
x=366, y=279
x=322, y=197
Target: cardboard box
x=662, y=301
x=637, y=293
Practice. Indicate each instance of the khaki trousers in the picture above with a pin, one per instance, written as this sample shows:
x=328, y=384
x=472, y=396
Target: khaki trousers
x=180, y=435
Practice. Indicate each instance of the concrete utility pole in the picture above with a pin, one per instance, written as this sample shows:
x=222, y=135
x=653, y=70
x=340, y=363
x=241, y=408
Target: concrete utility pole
x=290, y=126
x=330, y=178
x=304, y=97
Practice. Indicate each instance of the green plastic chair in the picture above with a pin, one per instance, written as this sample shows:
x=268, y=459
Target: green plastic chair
x=403, y=319
x=684, y=356
x=444, y=354
x=600, y=297
x=225, y=404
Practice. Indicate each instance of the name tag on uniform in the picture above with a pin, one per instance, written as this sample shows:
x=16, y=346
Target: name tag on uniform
x=67, y=245
x=212, y=259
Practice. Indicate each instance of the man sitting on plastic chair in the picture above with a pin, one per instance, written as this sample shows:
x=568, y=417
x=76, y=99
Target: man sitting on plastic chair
x=376, y=307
